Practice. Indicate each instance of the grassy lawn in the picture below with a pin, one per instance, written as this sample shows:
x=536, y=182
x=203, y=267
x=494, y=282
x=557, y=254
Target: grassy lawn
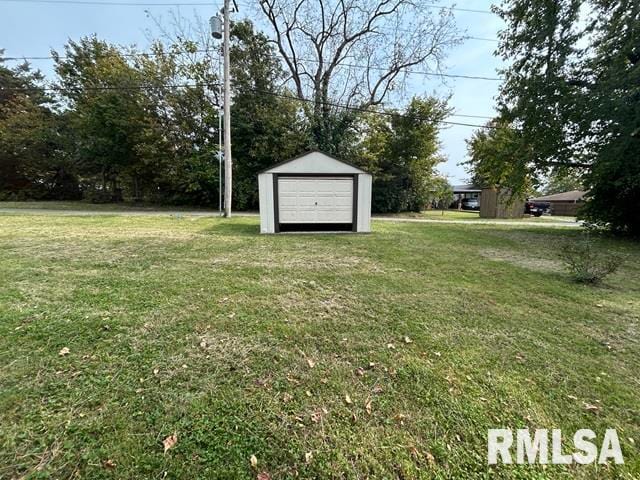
x=386, y=355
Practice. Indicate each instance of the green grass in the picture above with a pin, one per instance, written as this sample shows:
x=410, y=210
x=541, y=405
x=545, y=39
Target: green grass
x=204, y=328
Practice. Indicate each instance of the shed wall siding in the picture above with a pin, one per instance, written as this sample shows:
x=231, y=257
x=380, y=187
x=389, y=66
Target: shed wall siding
x=265, y=187
x=364, y=203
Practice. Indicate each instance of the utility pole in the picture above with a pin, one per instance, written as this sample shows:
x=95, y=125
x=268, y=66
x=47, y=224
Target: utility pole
x=228, y=163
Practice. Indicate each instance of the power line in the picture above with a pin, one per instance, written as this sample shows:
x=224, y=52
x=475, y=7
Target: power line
x=119, y=4
x=198, y=4
x=261, y=92
x=376, y=112
x=143, y=54
x=107, y=87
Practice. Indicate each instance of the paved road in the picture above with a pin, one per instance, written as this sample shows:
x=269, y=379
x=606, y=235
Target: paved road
x=524, y=223
x=208, y=213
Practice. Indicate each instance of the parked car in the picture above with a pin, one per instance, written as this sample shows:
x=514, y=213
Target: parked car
x=537, y=209
x=470, y=204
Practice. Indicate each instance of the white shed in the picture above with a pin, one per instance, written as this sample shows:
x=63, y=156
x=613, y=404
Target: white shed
x=314, y=192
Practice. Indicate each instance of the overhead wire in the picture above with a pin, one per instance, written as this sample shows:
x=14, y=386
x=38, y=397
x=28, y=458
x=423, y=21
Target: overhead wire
x=261, y=92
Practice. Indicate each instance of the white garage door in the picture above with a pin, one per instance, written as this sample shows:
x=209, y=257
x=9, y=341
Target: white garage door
x=315, y=200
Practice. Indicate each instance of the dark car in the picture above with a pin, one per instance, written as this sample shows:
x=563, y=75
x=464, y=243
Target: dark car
x=470, y=204
x=537, y=209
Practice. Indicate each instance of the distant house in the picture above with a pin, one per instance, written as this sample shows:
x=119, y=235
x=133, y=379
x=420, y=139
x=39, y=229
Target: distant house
x=566, y=203
x=466, y=191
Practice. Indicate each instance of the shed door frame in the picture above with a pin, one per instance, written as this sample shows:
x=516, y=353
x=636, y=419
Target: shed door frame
x=276, y=206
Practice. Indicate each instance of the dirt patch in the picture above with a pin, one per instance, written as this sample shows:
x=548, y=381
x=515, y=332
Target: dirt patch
x=538, y=264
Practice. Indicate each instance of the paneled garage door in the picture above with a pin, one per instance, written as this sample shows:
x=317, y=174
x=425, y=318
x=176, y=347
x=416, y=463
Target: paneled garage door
x=315, y=199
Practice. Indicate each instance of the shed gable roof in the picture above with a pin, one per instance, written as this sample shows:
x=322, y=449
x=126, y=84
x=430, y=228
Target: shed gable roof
x=314, y=161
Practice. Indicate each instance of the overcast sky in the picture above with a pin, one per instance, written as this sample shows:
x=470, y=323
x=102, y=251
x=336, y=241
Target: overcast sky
x=33, y=29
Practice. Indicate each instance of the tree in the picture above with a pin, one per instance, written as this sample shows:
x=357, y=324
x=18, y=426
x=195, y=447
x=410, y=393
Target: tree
x=441, y=193
x=32, y=164
x=612, y=117
x=498, y=157
x=353, y=53
x=571, y=92
x=401, y=150
x=265, y=121
x=179, y=149
x=561, y=182
x=104, y=95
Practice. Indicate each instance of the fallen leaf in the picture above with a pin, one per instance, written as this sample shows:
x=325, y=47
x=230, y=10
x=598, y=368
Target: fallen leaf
x=367, y=407
x=360, y=371
x=263, y=476
x=254, y=461
x=308, y=457
x=347, y=399
x=378, y=389
x=430, y=458
x=170, y=442
x=631, y=441
x=591, y=408
x=400, y=418
x=311, y=363
x=109, y=464
x=64, y=351
x=414, y=452
x=308, y=393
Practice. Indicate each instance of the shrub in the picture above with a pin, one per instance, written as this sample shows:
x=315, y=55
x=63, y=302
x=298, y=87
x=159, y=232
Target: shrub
x=586, y=263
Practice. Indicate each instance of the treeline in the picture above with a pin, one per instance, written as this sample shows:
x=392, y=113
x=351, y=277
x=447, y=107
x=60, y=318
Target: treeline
x=569, y=107
x=120, y=125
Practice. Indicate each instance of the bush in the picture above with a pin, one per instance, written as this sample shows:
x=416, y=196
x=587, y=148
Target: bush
x=586, y=263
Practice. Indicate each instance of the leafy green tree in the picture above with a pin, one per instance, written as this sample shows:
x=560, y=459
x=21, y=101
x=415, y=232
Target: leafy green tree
x=107, y=117
x=179, y=146
x=32, y=163
x=561, y=182
x=441, y=193
x=572, y=92
x=496, y=158
x=401, y=150
x=266, y=122
x=611, y=116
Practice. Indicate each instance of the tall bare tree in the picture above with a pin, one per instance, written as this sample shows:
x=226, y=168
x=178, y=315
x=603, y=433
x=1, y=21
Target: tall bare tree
x=355, y=53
